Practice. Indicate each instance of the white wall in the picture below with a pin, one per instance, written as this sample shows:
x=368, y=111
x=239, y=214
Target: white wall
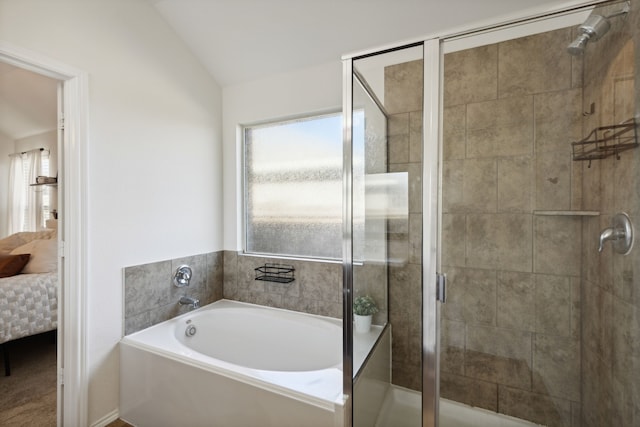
x=299, y=92
x=154, y=150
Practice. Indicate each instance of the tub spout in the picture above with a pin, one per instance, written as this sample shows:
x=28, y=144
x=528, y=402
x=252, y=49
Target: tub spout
x=191, y=302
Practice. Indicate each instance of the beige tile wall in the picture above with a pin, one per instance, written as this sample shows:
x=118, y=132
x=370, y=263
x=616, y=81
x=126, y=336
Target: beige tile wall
x=511, y=333
x=611, y=282
x=403, y=101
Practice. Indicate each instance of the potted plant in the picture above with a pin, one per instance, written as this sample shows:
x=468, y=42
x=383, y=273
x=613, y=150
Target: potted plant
x=364, y=307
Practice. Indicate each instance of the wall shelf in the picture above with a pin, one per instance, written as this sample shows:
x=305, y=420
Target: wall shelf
x=280, y=273
x=566, y=213
x=606, y=141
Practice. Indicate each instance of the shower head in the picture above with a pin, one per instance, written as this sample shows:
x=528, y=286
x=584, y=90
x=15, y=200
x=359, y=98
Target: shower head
x=593, y=29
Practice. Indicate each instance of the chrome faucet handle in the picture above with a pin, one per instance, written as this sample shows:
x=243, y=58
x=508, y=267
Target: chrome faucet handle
x=182, y=276
x=620, y=233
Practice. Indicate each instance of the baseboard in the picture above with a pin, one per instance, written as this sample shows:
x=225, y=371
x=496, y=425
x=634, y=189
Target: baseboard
x=109, y=418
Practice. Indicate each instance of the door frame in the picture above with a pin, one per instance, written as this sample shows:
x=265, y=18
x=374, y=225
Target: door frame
x=72, y=379
x=431, y=220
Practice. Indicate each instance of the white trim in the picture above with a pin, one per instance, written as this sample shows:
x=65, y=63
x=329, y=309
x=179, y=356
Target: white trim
x=72, y=299
x=514, y=31
x=514, y=18
x=107, y=419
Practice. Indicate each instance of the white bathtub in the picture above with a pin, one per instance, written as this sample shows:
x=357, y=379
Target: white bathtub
x=246, y=365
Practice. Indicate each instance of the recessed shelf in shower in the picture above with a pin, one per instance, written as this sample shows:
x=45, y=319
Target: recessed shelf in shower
x=605, y=141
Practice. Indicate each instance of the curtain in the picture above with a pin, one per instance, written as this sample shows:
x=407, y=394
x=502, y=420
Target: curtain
x=33, y=208
x=17, y=200
x=25, y=201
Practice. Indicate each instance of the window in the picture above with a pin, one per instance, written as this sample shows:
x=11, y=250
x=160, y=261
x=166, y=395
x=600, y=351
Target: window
x=29, y=206
x=293, y=187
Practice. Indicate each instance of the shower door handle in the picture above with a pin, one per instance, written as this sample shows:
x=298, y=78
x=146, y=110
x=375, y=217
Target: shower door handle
x=441, y=287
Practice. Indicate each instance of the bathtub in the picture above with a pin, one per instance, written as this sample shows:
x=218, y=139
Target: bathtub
x=234, y=364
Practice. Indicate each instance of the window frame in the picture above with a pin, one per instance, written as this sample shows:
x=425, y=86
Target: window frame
x=244, y=185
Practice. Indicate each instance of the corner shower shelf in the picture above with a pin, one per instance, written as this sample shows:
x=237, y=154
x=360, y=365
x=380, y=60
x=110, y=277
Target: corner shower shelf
x=280, y=273
x=566, y=213
x=606, y=141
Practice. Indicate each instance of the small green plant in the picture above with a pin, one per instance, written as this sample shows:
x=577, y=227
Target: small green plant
x=364, y=306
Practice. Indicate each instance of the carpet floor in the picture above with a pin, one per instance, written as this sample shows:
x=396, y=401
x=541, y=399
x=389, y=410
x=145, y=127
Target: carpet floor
x=28, y=395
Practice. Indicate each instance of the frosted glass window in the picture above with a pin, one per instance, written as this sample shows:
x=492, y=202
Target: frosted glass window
x=293, y=187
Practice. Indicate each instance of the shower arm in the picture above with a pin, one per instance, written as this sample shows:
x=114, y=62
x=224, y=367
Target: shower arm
x=625, y=9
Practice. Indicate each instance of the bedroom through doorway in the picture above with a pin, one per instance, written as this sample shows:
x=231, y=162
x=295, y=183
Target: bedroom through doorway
x=30, y=149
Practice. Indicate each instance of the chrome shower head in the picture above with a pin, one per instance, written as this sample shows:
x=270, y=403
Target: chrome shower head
x=593, y=29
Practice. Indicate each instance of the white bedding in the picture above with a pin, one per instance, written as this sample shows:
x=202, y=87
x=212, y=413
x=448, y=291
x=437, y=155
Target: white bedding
x=28, y=305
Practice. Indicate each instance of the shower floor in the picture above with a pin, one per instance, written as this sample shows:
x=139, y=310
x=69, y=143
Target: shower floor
x=401, y=408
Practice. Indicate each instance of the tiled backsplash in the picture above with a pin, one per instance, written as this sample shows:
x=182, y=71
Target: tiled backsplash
x=317, y=288
x=150, y=296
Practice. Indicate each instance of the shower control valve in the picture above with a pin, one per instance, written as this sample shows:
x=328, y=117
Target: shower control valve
x=620, y=234
x=182, y=276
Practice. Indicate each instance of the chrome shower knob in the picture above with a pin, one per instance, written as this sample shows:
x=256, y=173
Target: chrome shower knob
x=182, y=276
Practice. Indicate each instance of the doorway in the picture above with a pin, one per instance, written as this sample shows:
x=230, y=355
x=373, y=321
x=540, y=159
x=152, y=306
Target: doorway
x=72, y=382
x=29, y=143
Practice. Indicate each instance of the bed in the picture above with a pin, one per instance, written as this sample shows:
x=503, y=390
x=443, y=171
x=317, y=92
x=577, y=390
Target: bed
x=29, y=292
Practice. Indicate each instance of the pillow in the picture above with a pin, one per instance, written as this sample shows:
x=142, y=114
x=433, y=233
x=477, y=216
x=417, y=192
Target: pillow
x=44, y=256
x=15, y=240
x=11, y=242
x=10, y=265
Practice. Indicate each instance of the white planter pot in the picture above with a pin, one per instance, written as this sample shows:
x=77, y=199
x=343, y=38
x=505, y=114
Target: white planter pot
x=363, y=323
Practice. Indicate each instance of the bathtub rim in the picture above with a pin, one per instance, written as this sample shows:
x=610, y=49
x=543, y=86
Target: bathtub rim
x=237, y=372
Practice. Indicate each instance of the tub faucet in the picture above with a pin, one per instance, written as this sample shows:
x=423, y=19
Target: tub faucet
x=192, y=302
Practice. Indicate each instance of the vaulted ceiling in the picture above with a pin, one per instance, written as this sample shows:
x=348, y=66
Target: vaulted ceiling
x=243, y=40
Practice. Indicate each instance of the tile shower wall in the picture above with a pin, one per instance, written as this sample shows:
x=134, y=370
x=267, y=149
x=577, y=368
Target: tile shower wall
x=150, y=296
x=316, y=290
x=510, y=339
x=611, y=282
x=403, y=101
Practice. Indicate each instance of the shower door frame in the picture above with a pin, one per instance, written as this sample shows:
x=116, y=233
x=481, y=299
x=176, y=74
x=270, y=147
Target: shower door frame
x=432, y=143
x=431, y=214
x=520, y=27
x=430, y=194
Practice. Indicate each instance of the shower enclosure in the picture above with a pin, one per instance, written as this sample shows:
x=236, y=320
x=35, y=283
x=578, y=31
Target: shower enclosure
x=514, y=148
x=384, y=115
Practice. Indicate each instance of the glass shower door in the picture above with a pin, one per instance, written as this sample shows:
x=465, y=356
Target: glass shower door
x=385, y=201
x=540, y=325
